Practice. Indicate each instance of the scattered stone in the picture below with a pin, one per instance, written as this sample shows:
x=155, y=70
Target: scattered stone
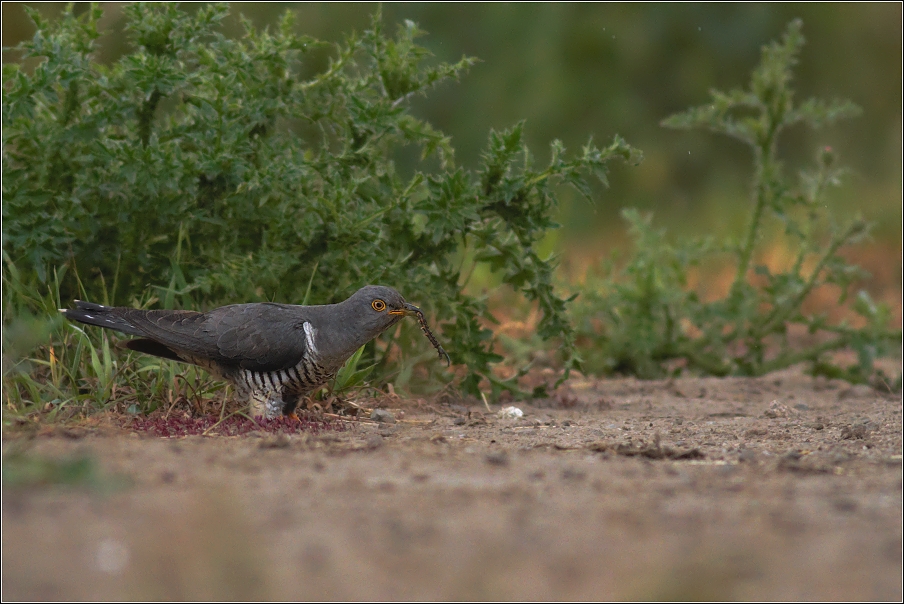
x=383, y=416
x=856, y=431
x=475, y=418
x=374, y=441
x=857, y=391
x=567, y=401
x=777, y=409
x=844, y=505
x=459, y=421
x=570, y=473
x=603, y=404
x=647, y=451
x=795, y=461
x=280, y=441
x=728, y=470
x=497, y=458
x=746, y=456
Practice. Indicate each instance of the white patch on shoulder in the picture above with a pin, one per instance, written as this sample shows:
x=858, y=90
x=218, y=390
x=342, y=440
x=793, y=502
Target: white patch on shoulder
x=309, y=333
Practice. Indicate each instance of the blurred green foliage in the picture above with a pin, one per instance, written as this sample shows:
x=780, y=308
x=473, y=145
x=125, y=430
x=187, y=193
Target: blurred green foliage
x=23, y=469
x=574, y=69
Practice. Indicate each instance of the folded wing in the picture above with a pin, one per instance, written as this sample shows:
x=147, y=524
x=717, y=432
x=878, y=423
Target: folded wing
x=259, y=337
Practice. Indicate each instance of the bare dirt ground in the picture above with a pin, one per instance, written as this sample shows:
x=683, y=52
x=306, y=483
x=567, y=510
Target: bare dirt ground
x=780, y=488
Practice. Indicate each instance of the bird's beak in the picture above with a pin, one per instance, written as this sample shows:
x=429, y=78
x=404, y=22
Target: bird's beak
x=407, y=310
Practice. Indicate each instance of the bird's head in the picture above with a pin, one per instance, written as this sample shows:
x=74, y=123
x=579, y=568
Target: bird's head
x=375, y=308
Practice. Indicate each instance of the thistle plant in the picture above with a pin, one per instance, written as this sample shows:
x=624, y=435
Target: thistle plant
x=199, y=170
x=644, y=319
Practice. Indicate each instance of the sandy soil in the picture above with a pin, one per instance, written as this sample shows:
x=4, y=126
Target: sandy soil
x=780, y=488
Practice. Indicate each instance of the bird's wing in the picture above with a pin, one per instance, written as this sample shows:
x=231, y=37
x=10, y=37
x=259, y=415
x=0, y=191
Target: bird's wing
x=260, y=337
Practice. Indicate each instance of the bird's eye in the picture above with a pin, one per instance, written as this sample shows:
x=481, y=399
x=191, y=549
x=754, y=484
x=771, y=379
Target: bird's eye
x=378, y=305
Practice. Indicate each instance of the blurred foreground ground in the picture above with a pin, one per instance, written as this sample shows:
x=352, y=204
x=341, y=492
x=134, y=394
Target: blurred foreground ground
x=778, y=488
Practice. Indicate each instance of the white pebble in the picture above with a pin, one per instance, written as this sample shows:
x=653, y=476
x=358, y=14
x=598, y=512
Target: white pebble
x=511, y=413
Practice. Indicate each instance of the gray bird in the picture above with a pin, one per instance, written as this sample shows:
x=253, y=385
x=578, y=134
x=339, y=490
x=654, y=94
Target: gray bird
x=273, y=353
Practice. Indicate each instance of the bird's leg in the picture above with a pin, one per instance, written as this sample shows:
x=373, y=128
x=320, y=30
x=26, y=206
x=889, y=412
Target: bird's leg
x=290, y=402
x=259, y=404
x=274, y=406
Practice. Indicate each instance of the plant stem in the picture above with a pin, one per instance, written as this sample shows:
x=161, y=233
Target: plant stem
x=792, y=358
x=752, y=231
x=146, y=117
x=779, y=314
x=765, y=167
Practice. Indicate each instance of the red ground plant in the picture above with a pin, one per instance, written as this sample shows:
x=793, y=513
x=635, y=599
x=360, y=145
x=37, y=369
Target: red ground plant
x=176, y=425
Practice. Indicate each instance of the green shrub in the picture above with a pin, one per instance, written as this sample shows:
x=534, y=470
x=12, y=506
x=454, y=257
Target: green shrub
x=199, y=170
x=642, y=318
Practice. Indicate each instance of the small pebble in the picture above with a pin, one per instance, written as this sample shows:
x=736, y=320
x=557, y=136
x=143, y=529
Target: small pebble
x=374, y=441
x=844, y=505
x=792, y=455
x=497, y=458
x=276, y=442
x=383, y=416
x=570, y=473
x=857, y=431
x=746, y=455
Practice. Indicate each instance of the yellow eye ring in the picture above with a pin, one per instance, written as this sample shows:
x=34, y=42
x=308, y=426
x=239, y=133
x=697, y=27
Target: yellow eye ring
x=378, y=305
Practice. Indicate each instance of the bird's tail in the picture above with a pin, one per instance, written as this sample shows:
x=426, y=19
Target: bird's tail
x=102, y=316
